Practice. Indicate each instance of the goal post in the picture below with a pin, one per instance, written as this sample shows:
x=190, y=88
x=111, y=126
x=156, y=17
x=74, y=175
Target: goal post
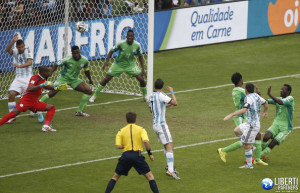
x=51, y=33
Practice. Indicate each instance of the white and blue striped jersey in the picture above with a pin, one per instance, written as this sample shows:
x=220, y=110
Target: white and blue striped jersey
x=253, y=104
x=157, y=103
x=20, y=59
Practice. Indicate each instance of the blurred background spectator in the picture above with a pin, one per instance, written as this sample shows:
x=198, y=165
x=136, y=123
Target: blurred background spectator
x=163, y=4
x=17, y=11
x=6, y=14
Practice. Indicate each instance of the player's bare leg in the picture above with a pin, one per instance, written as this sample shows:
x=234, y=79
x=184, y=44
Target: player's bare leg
x=45, y=99
x=140, y=78
x=84, y=88
x=11, y=103
x=100, y=87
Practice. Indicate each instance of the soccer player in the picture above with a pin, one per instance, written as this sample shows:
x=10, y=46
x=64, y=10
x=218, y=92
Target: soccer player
x=23, y=62
x=282, y=124
x=69, y=75
x=124, y=63
x=238, y=94
x=247, y=131
x=29, y=100
x=158, y=101
x=130, y=139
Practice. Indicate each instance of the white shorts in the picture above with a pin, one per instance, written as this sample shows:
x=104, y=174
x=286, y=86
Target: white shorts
x=249, y=133
x=163, y=133
x=19, y=85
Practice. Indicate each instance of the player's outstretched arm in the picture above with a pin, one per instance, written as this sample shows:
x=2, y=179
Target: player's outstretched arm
x=239, y=112
x=277, y=100
x=107, y=59
x=10, y=45
x=88, y=75
x=142, y=62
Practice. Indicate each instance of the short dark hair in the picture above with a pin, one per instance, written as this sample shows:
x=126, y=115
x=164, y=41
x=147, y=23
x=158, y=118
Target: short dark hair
x=159, y=84
x=250, y=87
x=130, y=31
x=19, y=42
x=74, y=48
x=43, y=69
x=236, y=77
x=289, y=88
x=131, y=117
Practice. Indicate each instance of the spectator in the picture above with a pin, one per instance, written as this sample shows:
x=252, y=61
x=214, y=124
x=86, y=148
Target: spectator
x=48, y=10
x=31, y=14
x=6, y=14
x=163, y=4
x=102, y=8
x=18, y=11
x=77, y=8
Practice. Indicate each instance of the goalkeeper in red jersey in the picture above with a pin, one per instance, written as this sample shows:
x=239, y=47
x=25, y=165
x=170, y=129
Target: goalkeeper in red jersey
x=29, y=100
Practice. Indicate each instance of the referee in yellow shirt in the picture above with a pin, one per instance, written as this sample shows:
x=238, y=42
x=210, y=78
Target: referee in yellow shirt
x=130, y=139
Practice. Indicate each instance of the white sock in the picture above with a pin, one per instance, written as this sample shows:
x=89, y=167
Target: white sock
x=248, y=154
x=170, y=161
x=11, y=106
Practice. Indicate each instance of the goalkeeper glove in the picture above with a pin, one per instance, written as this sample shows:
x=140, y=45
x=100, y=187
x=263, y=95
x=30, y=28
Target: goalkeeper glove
x=61, y=87
x=47, y=83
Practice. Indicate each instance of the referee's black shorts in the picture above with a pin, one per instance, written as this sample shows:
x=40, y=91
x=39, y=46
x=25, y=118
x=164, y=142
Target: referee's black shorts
x=132, y=159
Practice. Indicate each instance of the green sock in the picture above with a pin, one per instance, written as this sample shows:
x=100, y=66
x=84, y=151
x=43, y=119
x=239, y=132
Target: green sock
x=84, y=100
x=265, y=152
x=257, y=144
x=264, y=145
x=144, y=91
x=45, y=98
x=233, y=146
x=100, y=87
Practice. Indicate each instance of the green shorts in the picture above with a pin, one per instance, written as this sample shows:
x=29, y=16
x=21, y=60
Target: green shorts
x=239, y=120
x=72, y=83
x=279, y=132
x=117, y=70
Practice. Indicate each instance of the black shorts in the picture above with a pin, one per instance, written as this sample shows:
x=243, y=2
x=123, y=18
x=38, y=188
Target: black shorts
x=132, y=159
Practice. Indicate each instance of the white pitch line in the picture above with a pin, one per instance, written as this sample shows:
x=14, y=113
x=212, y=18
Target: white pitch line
x=192, y=90
x=125, y=100
x=115, y=157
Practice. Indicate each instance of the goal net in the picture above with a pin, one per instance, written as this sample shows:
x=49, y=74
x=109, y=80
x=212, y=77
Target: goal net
x=48, y=28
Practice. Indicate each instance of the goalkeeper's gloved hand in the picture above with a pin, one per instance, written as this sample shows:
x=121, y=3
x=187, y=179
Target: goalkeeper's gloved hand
x=47, y=83
x=61, y=87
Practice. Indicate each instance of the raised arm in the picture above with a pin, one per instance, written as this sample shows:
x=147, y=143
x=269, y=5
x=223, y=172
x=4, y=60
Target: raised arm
x=173, y=101
x=277, y=100
x=266, y=106
x=10, y=45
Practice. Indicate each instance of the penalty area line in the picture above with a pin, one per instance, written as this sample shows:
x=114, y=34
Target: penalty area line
x=192, y=90
x=115, y=157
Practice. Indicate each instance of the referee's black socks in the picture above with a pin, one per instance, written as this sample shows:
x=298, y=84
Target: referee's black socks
x=153, y=186
x=110, y=186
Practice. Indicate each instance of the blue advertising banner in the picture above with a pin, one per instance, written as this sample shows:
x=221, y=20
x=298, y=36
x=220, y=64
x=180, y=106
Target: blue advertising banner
x=273, y=17
x=47, y=42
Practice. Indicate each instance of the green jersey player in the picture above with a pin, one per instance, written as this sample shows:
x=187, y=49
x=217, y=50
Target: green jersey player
x=239, y=94
x=69, y=75
x=282, y=124
x=124, y=63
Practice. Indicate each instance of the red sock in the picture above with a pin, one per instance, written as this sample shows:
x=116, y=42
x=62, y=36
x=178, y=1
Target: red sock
x=7, y=117
x=50, y=114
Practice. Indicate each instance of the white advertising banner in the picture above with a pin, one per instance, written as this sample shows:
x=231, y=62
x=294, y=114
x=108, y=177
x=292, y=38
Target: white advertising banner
x=209, y=24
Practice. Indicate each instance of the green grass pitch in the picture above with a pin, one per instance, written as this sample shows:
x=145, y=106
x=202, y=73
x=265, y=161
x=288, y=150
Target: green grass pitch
x=196, y=75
